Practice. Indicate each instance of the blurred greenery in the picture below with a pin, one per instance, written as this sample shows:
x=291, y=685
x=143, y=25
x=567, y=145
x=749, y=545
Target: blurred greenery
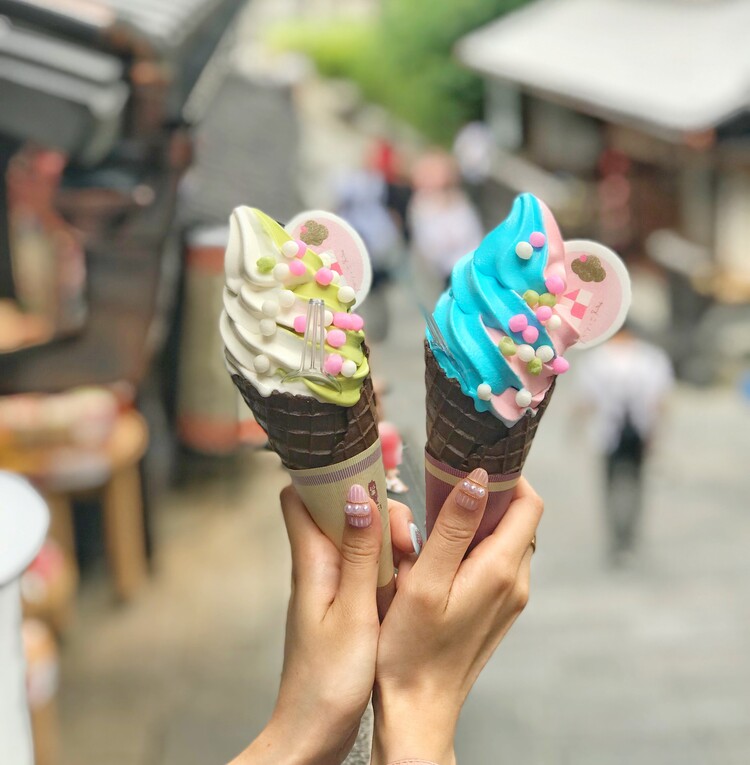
x=404, y=61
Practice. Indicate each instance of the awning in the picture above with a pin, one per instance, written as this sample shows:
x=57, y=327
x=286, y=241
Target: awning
x=674, y=65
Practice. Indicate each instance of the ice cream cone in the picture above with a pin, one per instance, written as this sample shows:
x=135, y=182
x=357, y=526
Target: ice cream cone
x=460, y=439
x=496, y=343
x=296, y=353
x=326, y=449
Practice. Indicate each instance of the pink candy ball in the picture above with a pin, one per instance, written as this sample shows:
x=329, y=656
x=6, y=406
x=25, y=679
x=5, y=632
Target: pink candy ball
x=335, y=338
x=341, y=319
x=300, y=322
x=537, y=239
x=530, y=334
x=324, y=276
x=518, y=323
x=543, y=313
x=301, y=247
x=554, y=284
x=297, y=268
x=356, y=322
x=333, y=364
x=560, y=366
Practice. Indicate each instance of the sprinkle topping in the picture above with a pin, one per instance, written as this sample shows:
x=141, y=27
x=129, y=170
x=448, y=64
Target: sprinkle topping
x=484, y=391
x=523, y=398
x=335, y=338
x=537, y=239
x=518, y=323
x=297, y=268
x=530, y=334
x=324, y=276
x=524, y=250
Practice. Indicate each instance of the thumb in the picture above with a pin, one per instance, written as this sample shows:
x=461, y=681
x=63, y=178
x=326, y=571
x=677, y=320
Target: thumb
x=360, y=549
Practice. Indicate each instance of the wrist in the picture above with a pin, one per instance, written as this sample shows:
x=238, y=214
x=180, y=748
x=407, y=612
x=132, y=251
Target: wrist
x=412, y=728
x=274, y=745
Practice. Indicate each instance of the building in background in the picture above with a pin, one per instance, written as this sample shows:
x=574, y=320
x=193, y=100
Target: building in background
x=632, y=120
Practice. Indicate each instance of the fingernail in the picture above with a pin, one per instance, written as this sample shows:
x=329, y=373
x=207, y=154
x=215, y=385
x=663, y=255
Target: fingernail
x=416, y=538
x=357, y=495
x=472, y=489
x=357, y=507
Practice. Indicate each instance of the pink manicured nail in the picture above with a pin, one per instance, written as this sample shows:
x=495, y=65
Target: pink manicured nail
x=357, y=507
x=472, y=489
x=416, y=538
x=357, y=494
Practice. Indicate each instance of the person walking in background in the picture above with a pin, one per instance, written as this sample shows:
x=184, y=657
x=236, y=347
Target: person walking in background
x=388, y=162
x=625, y=385
x=362, y=196
x=444, y=223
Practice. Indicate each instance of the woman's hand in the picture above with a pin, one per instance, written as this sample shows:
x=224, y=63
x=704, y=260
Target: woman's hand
x=331, y=636
x=447, y=618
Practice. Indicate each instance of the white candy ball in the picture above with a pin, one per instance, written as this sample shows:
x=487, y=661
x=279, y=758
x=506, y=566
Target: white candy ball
x=524, y=250
x=523, y=398
x=286, y=298
x=525, y=352
x=336, y=277
x=327, y=318
x=348, y=368
x=262, y=364
x=267, y=327
x=346, y=294
x=484, y=392
x=545, y=353
x=280, y=272
x=290, y=249
x=554, y=322
x=270, y=308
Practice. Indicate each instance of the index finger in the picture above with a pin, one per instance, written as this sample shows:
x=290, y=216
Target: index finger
x=454, y=529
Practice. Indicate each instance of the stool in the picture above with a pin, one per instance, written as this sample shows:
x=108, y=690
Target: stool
x=112, y=473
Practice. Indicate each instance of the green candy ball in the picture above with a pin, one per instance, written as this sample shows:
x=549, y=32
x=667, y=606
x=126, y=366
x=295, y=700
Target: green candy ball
x=547, y=299
x=265, y=264
x=534, y=366
x=507, y=346
x=531, y=297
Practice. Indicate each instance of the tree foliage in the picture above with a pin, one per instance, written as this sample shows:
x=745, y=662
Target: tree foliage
x=405, y=61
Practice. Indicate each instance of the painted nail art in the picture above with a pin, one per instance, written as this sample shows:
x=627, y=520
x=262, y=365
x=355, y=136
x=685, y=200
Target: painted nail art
x=416, y=538
x=357, y=507
x=472, y=489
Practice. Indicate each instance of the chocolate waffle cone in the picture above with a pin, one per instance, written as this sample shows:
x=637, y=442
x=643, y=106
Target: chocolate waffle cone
x=307, y=433
x=459, y=436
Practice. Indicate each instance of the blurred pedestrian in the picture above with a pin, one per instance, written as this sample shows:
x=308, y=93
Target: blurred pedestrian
x=625, y=384
x=386, y=160
x=444, y=223
x=361, y=200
